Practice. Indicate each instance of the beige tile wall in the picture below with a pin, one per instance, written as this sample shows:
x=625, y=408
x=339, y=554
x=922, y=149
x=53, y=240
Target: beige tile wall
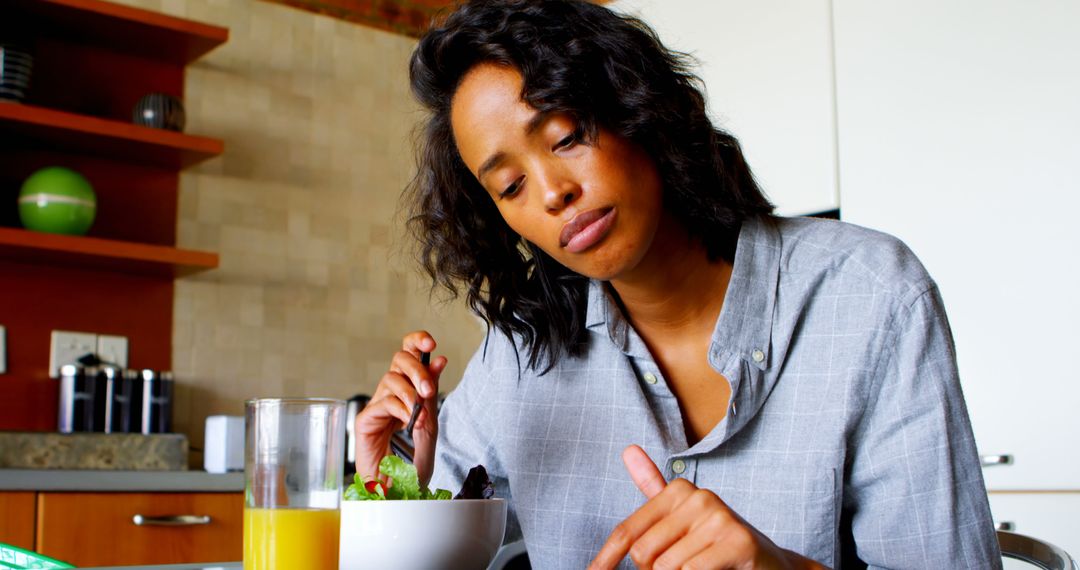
x=316, y=284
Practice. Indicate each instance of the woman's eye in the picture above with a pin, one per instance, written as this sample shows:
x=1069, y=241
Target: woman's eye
x=568, y=141
x=513, y=188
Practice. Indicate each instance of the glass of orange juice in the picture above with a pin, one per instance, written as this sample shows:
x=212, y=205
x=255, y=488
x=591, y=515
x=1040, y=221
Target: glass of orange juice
x=294, y=465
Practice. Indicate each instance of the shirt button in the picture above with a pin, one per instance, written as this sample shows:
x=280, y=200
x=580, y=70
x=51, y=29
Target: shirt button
x=758, y=356
x=678, y=466
x=650, y=378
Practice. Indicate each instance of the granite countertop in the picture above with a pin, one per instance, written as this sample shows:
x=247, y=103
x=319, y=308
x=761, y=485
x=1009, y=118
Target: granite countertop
x=134, y=481
x=114, y=451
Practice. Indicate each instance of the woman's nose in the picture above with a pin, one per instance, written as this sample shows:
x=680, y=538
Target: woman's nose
x=560, y=193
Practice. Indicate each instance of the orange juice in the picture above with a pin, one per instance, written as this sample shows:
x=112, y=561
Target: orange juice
x=287, y=539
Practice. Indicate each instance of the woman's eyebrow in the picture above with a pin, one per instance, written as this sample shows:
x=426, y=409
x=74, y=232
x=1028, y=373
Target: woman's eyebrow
x=489, y=164
x=534, y=123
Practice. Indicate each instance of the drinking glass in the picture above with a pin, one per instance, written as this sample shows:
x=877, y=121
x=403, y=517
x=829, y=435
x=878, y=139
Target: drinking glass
x=293, y=467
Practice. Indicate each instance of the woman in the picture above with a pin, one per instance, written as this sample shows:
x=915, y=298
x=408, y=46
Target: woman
x=782, y=393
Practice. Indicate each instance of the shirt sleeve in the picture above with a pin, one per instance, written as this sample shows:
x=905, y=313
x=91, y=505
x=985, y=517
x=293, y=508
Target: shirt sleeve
x=467, y=436
x=915, y=489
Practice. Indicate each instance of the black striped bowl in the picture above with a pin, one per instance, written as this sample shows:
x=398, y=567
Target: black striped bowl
x=16, y=65
x=159, y=111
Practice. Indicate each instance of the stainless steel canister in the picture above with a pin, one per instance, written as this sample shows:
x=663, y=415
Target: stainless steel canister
x=108, y=378
x=78, y=398
x=154, y=391
x=120, y=399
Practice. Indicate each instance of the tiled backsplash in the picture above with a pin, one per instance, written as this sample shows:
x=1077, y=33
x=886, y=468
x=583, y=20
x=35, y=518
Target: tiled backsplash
x=317, y=283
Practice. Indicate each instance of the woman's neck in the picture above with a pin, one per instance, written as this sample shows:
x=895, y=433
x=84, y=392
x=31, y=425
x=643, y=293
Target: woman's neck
x=675, y=290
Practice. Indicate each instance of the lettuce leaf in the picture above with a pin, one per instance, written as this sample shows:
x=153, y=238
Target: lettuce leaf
x=477, y=485
x=404, y=485
x=438, y=495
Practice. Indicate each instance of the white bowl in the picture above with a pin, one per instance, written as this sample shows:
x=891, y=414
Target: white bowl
x=421, y=535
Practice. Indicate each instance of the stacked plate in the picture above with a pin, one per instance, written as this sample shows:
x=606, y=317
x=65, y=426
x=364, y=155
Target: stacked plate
x=15, y=66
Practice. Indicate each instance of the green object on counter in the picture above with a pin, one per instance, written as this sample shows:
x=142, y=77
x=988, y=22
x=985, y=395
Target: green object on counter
x=18, y=559
x=57, y=200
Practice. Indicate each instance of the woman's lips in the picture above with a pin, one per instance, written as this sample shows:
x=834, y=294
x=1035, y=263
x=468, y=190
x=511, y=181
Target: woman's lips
x=586, y=229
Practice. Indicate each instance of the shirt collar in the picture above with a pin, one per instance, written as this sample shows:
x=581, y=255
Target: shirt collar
x=744, y=327
x=603, y=310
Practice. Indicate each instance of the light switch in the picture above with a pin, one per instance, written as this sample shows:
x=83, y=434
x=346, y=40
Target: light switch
x=113, y=349
x=67, y=347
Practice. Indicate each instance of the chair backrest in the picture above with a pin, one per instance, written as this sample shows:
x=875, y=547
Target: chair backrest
x=1034, y=551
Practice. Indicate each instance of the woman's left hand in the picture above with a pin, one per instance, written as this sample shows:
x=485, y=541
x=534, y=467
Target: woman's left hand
x=682, y=526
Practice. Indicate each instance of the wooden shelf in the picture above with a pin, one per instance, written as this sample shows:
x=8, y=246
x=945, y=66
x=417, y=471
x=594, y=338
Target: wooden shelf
x=116, y=27
x=93, y=60
x=95, y=253
x=106, y=138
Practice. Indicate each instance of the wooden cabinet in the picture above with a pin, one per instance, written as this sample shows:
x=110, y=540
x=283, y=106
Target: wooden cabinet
x=17, y=519
x=767, y=68
x=958, y=125
x=93, y=61
x=99, y=529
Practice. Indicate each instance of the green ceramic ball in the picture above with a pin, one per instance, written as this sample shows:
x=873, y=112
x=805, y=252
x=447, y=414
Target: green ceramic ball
x=57, y=200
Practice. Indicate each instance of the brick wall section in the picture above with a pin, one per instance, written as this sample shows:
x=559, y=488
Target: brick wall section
x=317, y=283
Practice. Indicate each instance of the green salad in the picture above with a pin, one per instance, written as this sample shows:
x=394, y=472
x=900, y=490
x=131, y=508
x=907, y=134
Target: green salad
x=404, y=486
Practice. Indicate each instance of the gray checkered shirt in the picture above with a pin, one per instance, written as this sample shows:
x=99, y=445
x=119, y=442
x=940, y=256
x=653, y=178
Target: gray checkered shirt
x=845, y=398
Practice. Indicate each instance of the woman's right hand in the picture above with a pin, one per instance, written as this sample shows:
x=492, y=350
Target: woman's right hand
x=391, y=406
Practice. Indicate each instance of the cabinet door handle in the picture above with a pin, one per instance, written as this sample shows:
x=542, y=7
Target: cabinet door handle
x=991, y=460
x=1005, y=525
x=176, y=520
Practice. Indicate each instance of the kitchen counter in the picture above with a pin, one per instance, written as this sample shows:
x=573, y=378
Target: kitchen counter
x=104, y=451
x=507, y=556
x=119, y=481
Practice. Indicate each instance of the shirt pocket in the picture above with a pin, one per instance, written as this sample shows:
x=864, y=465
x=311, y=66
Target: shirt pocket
x=798, y=511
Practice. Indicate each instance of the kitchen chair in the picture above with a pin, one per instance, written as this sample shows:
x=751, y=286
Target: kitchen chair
x=1016, y=546
x=1035, y=552
x=511, y=556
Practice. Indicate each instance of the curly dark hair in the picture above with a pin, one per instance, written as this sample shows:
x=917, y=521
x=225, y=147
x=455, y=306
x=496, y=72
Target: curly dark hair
x=602, y=70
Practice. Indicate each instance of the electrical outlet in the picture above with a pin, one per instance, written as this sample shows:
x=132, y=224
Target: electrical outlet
x=113, y=349
x=67, y=347
x=3, y=350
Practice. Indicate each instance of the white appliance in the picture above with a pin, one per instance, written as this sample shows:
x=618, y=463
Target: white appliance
x=223, y=447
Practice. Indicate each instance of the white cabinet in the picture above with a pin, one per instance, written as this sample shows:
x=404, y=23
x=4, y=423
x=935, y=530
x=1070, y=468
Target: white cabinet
x=1051, y=517
x=767, y=68
x=959, y=132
